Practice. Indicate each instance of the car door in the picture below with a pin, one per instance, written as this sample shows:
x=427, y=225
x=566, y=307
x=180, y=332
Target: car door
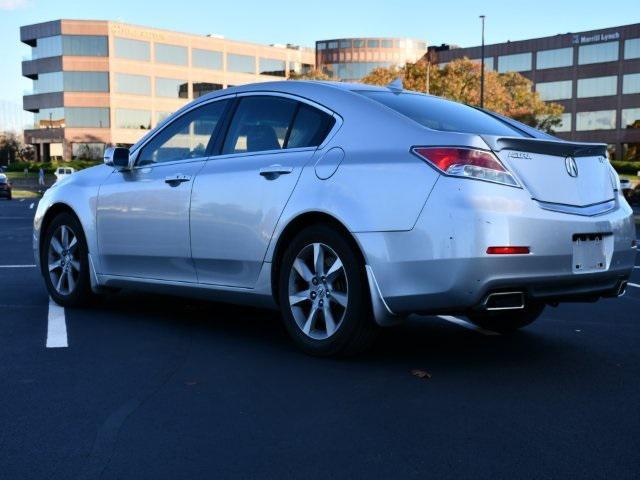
x=143, y=213
x=240, y=194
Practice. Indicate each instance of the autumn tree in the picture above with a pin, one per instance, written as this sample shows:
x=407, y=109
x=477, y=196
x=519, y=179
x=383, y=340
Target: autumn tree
x=509, y=93
x=314, y=74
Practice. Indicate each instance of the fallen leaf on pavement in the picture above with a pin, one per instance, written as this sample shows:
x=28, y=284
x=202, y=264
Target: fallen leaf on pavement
x=420, y=373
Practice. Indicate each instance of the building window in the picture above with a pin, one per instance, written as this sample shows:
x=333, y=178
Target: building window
x=86, y=82
x=598, y=53
x=132, y=49
x=172, y=88
x=202, y=88
x=565, y=123
x=488, y=62
x=559, y=57
x=321, y=46
x=49, y=118
x=358, y=44
x=87, y=151
x=387, y=43
x=352, y=71
x=133, y=119
x=133, y=84
x=47, y=47
x=631, y=83
x=241, y=63
x=631, y=152
x=90, y=117
x=373, y=43
x=208, y=59
x=598, y=120
x=632, y=48
x=345, y=43
x=630, y=118
x=597, y=86
x=555, y=90
x=48, y=82
x=160, y=116
x=519, y=62
x=172, y=54
x=85, y=45
x=270, y=66
x=299, y=68
x=332, y=45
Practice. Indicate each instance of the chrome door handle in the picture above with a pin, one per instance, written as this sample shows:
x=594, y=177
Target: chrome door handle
x=274, y=171
x=176, y=180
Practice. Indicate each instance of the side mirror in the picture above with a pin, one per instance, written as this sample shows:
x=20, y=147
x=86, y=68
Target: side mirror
x=117, y=157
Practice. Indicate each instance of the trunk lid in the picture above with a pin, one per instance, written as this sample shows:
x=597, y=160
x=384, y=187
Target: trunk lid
x=575, y=174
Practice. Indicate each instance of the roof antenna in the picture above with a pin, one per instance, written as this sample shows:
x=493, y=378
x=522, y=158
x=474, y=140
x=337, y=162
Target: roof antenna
x=396, y=85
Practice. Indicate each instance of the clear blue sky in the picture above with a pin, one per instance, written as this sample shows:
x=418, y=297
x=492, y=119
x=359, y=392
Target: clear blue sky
x=303, y=21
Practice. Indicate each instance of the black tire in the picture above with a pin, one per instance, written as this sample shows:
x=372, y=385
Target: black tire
x=507, y=321
x=357, y=329
x=81, y=293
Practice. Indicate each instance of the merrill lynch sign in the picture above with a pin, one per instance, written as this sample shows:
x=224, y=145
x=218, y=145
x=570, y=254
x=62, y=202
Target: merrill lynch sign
x=596, y=37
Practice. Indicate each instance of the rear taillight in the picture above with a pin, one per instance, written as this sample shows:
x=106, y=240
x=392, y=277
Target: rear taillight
x=467, y=162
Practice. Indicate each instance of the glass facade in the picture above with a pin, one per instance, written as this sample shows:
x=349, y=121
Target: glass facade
x=565, y=123
x=87, y=151
x=171, y=54
x=597, y=86
x=202, y=88
x=519, y=62
x=208, y=59
x=561, y=90
x=49, y=118
x=630, y=118
x=598, y=120
x=270, y=66
x=73, y=45
x=632, y=48
x=133, y=119
x=132, y=49
x=133, y=84
x=71, y=82
x=353, y=70
x=72, y=117
x=488, y=62
x=49, y=82
x=241, y=63
x=598, y=53
x=559, y=57
x=172, y=88
x=631, y=83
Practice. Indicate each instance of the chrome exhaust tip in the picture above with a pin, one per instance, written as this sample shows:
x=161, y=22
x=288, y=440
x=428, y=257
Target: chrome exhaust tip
x=504, y=301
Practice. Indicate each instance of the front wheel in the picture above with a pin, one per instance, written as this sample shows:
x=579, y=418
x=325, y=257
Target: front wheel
x=323, y=294
x=507, y=321
x=64, y=260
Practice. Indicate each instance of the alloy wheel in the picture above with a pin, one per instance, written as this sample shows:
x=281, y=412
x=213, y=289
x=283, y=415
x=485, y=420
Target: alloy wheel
x=318, y=291
x=63, y=260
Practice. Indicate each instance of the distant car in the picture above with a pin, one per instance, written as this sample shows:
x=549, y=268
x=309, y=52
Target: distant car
x=5, y=187
x=62, y=172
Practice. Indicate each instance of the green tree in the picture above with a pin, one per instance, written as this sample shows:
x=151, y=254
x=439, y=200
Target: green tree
x=509, y=93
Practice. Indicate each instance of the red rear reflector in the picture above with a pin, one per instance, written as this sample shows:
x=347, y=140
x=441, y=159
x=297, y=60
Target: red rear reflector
x=507, y=250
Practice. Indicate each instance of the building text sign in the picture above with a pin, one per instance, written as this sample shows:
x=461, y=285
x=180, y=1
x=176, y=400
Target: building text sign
x=596, y=37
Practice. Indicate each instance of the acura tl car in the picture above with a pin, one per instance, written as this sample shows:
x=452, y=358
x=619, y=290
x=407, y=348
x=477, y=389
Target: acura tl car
x=346, y=206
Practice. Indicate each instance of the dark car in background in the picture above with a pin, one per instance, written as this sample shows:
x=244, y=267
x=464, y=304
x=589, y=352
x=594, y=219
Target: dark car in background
x=5, y=187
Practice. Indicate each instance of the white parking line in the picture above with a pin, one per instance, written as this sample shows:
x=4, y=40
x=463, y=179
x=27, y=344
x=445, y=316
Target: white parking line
x=633, y=285
x=465, y=324
x=17, y=266
x=57, y=327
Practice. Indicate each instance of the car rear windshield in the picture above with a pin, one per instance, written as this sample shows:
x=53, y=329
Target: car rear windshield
x=445, y=115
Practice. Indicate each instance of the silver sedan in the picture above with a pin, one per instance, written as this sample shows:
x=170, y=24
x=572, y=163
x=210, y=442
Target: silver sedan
x=348, y=207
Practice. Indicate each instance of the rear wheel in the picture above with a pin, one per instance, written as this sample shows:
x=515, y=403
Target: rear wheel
x=507, y=321
x=323, y=294
x=64, y=260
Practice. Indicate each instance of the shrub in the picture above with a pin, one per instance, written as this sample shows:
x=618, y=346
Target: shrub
x=50, y=167
x=628, y=168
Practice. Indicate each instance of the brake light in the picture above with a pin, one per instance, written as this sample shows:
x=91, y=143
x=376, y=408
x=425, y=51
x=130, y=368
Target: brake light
x=508, y=250
x=467, y=162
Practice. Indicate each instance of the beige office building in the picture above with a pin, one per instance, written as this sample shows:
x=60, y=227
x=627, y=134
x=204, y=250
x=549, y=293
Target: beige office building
x=98, y=83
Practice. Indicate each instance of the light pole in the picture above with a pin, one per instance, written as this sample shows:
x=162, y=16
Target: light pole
x=482, y=17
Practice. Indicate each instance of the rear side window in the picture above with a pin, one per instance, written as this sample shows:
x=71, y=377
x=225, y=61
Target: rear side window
x=310, y=127
x=445, y=115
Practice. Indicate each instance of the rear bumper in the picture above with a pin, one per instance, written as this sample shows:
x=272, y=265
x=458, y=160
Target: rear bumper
x=441, y=265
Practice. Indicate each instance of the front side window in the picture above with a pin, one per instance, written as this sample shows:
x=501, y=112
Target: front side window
x=188, y=136
x=260, y=124
x=440, y=114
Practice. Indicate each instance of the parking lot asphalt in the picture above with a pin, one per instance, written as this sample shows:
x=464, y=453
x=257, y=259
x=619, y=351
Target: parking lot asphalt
x=160, y=387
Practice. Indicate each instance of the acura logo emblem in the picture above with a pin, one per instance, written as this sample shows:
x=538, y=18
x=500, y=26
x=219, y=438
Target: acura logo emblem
x=571, y=166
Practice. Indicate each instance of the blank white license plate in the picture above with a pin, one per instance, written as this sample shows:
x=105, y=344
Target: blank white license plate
x=590, y=252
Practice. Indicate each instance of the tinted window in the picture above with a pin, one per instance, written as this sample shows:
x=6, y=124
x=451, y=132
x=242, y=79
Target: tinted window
x=260, y=123
x=85, y=45
x=133, y=84
x=132, y=49
x=87, y=117
x=241, y=63
x=186, y=137
x=172, y=88
x=86, y=81
x=440, y=114
x=202, y=88
x=310, y=126
x=172, y=54
x=133, y=118
x=206, y=59
x=270, y=66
